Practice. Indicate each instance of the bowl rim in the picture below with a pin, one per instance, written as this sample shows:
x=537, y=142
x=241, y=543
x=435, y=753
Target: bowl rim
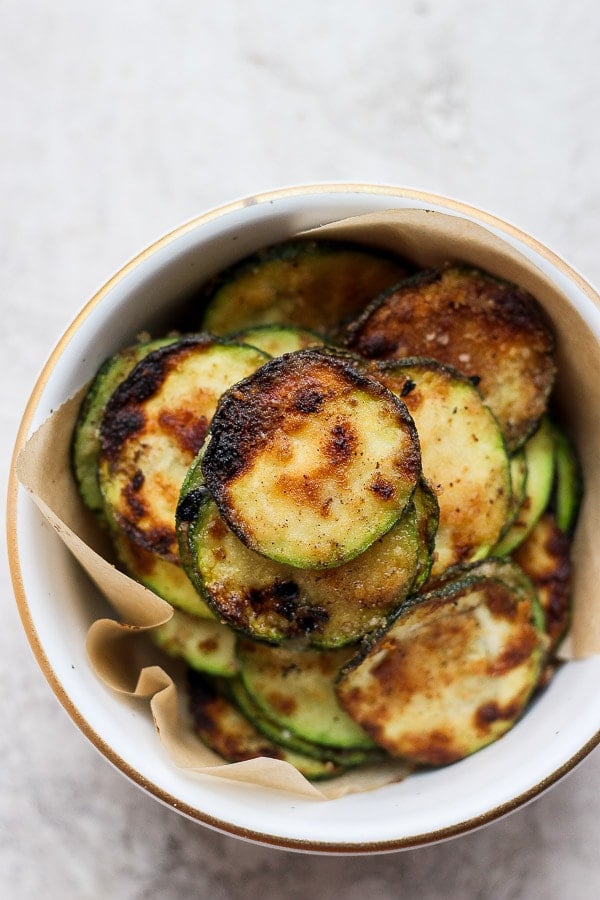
x=307, y=846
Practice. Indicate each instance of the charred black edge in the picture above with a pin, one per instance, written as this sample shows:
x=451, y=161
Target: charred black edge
x=94, y=404
x=290, y=251
x=223, y=460
x=140, y=384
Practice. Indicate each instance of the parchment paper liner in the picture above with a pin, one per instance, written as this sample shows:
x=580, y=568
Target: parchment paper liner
x=429, y=238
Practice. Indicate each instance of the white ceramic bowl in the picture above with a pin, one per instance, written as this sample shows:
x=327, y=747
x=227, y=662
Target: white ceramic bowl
x=57, y=605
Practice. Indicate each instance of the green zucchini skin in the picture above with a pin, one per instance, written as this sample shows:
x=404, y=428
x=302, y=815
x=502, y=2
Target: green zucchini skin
x=85, y=447
x=295, y=688
x=486, y=328
x=205, y=645
x=223, y=728
x=463, y=456
x=540, y=461
x=154, y=424
x=166, y=579
x=278, y=339
x=309, y=461
x=453, y=671
x=274, y=602
x=568, y=486
x=302, y=283
x=340, y=756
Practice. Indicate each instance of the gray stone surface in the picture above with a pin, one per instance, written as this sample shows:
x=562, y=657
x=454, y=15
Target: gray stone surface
x=121, y=120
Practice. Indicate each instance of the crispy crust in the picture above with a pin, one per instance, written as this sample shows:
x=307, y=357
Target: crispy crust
x=451, y=674
x=154, y=425
x=292, y=435
x=488, y=329
x=463, y=455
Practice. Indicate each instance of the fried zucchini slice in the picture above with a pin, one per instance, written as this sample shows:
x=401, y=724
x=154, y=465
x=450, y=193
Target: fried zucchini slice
x=206, y=646
x=278, y=339
x=295, y=688
x=167, y=579
x=452, y=673
x=488, y=329
x=568, y=484
x=540, y=460
x=545, y=558
x=463, y=455
x=303, y=283
x=154, y=424
x=85, y=447
x=345, y=757
x=274, y=602
x=224, y=729
x=309, y=462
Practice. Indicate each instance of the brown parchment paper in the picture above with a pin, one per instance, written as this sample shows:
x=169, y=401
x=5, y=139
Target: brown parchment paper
x=43, y=468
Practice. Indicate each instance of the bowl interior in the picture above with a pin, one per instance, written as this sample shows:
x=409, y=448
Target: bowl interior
x=58, y=604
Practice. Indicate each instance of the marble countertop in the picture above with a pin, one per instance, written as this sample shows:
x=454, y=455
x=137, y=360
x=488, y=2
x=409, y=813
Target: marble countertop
x=120, y=121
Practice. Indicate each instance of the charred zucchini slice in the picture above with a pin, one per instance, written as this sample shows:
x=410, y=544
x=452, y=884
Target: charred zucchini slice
x=206, y=646
x=309, y=462
x=488, y=329
x=224, y=729
x=295, y=688
x=307, y=284
x=540, y=461
x=154, y=424
x=278, y=339
x=463, y=453
x=568, y=486
x=545, y=558
x=345, y=757
x=451, y=674
x=167, y=579
x=272, y=601
x=85, y=448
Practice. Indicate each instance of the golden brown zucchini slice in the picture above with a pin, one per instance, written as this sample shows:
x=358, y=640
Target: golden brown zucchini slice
x=278, y=339
x=488, y=329
x=295, y=688
x=224, y=729
x=303, y=283
x=451, y=673
x=272, y=601
x=545, y=558
x=206, y=646
x=85, y=448
x=463, y=454
x=167, y=579
x=540, y=461
x=153, y=426
x=309, y=462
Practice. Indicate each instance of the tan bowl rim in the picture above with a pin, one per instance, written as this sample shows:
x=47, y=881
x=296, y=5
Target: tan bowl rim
x=15, y=570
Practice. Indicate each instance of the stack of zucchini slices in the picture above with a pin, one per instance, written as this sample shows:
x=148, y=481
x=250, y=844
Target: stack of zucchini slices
x=349, y=487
